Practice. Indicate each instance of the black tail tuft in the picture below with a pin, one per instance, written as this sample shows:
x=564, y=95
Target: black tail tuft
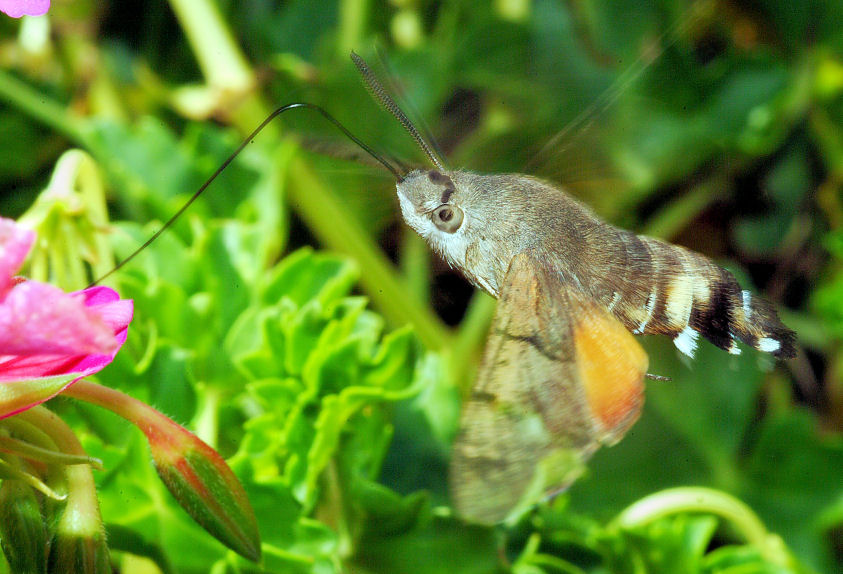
x=731, y=313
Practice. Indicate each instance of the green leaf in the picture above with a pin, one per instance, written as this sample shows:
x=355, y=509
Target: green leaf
x=794, y=476
x=436, y=545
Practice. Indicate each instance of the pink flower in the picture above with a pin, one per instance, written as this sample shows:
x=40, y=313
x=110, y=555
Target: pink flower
x=50, y=339
x=18, y=8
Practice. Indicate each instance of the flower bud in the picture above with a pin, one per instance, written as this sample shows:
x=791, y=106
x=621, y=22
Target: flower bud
x=204, y=486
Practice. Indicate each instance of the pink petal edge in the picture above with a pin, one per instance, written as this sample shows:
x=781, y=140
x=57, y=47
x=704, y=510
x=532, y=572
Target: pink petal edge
x=18, y=8
x=42, y=399
x=41, y=319
x=116, y=314
x=15, y=243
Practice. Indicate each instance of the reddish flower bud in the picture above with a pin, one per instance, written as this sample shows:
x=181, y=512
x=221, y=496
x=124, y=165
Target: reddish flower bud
x=204, y=485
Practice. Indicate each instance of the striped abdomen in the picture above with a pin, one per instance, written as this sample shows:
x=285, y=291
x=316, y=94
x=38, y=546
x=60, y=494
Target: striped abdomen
x=657, y=288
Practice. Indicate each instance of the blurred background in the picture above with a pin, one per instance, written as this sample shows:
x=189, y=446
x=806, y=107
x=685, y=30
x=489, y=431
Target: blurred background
x=713, y=124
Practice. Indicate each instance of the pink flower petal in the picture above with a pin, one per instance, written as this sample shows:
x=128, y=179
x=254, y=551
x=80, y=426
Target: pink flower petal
x=106, y=303
x=113, y=313
x=40, y=319
x=26, y=381
x=50, y=339
x=18, y=8
x=15, y=243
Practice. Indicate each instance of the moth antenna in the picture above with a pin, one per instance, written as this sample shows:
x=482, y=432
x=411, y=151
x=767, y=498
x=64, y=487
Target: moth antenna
x=385, y=100
x=169, y=223
x=388, y=78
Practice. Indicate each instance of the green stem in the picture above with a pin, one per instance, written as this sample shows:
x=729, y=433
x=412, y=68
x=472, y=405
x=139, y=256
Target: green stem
x=60, y=434
x=352, y=15
x=17, y=426
x=42, y=108
x=705, y=500
x=337, y=510
x=471, y=336
x=150, y=421
x=206, y=424
x=415, y=264
x=222, y=63
x=27, y=450
x=323, y=213
x=136, y=412
x=670, y=220
x=8, y=471
x=226, y=68
x=81, y=516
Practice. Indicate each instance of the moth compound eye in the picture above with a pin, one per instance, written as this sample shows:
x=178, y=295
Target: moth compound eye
x=447, y=218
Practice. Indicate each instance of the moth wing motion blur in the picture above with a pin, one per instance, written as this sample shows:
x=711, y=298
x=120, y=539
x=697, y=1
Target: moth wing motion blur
x=560, y=376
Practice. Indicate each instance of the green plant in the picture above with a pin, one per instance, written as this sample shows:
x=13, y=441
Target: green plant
x=716, y=126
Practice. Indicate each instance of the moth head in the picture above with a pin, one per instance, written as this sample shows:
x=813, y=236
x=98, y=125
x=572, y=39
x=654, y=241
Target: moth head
x=430, y=205
x=473, y=220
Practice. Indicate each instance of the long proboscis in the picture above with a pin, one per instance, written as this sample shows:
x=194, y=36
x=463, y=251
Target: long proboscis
x=169, y=223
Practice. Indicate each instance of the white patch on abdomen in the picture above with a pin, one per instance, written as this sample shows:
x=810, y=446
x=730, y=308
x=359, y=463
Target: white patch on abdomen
x=686, y=341
x=680, y=300
x=768, y=345
x=649, y=307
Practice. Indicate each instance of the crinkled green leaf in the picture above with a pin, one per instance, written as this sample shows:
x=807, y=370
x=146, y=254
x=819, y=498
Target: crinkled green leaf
x=304, y=276
x=312, y=372
x=677, y=545
x=736, y=560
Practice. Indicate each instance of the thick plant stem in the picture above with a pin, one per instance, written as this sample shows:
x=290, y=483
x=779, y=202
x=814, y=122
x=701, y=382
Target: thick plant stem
x=705, y=500
x=352, y=24
x=222, y=63
x=131, y=409
x=194, y=473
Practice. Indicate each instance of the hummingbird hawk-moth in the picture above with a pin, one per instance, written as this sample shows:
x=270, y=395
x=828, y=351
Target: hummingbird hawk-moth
x=562, y=373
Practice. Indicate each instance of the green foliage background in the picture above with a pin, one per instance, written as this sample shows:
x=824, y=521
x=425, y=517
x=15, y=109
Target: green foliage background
x=331, y=378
